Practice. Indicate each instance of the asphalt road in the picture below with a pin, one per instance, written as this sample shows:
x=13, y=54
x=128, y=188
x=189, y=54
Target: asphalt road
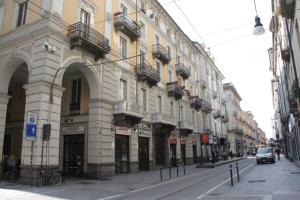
x=193, y=186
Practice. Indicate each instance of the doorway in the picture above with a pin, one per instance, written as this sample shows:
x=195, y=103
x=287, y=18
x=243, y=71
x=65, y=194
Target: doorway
x=73, y=155
x=183, y=153
x=173, y=155
x=195, y=154
x=122, y=154
x=143, y=153
x=160, y=150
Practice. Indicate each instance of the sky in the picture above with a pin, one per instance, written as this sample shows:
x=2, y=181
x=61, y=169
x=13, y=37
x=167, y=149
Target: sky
x=226, y=27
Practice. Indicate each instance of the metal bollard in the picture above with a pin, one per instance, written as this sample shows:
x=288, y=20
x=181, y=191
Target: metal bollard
x=231, y=175
x=170, y=173
x=177, y=170
x=183, y=169
x=160, y=169
x=237, y=171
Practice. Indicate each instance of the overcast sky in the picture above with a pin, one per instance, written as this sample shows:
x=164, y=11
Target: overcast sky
x=226, y=26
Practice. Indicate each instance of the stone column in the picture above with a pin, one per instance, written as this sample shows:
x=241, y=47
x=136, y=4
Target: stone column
x=3, y=108
x=38, y=101
x=100, y=139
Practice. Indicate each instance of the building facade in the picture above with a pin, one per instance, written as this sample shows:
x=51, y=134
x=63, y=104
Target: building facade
x=119, y=85
x=284, y=63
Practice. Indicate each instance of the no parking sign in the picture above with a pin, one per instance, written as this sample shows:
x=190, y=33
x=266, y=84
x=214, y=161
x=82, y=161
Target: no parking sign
x=31, y=130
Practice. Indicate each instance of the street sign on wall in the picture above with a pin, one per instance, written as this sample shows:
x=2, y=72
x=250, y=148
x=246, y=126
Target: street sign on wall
x=31, y=128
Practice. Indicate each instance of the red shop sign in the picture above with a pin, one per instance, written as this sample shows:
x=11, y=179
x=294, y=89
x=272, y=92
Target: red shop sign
x=173, y=139
x=182, y=140
x=204, y=138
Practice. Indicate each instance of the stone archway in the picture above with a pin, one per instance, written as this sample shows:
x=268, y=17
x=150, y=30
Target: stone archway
x=84, y=117
x=14, y=73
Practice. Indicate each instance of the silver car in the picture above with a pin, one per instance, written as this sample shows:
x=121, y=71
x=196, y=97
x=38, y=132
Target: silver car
x=265, y=155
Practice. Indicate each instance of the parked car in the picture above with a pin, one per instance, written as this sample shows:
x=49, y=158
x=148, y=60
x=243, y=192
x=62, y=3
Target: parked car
x=265, y=154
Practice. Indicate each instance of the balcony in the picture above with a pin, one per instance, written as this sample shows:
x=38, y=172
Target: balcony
x=203, y=84
x=127, y=26
x=293, y=106
x=195, y=102
x=147, y=73
x=225, y=118
x=175, y=90
x=185, y=127
x=161, y=53
x=205, y=106
x=287, y=8
x=83, y=36
x=183, y=71
x=214, y=94
x=163, y=120
x=217, y=114
x=127, y=114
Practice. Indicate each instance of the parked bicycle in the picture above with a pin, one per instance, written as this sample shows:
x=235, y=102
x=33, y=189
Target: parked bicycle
x=48, y=176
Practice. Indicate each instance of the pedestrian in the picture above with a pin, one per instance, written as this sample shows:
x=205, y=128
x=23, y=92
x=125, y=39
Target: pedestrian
x=278, y=152
x=213, y=157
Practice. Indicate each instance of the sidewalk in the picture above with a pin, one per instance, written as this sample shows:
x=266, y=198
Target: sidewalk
x=222, y=162
x=262, y=182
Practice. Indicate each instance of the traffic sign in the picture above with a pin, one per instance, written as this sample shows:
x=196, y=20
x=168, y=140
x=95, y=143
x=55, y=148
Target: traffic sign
x=31, y=128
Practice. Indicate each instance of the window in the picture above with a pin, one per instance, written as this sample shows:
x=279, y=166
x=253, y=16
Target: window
x=169, y=52
x=75, y=95
x=142, y=57
x=159, y=103
x=85, y=17
x=156, y=20
x=157, y=39
x=193, y=117
x=123, y=90
x=123, y=9
x=22, y=13
x=144, y=100
x=171, y=108
x=143, y=29
x=123, y=47
x=170, y=76
x=158, y=68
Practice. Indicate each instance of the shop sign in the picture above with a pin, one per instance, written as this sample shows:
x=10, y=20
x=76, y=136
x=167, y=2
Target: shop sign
x=210, y=139
x=144, y=133
x=204, y=138
x=194, y=140
x=73, y=130
x=31, y=129
x=173, y=139
x=182, y=140
x=122, y=130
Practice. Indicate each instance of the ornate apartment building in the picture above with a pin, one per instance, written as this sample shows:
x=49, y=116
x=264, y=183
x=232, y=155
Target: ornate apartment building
x=119, y=85
x=284, y=63
x=244, y=135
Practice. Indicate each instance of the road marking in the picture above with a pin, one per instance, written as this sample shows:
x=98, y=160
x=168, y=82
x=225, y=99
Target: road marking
x=223, y=182
x=152, y=186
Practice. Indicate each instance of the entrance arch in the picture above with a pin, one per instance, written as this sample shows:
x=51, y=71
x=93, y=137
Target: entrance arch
x=13, y=76
x=78, y=129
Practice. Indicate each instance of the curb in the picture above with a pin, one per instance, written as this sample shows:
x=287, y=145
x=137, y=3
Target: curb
x=219, y=164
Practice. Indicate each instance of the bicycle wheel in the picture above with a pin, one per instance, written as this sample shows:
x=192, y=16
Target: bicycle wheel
x=56, y=178
x=39, y=180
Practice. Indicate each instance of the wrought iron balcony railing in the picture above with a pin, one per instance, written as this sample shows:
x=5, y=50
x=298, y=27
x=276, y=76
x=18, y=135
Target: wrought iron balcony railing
x=205, y=106
x=127, y=26
x=127, y=114
x=195, y=102
x=175, y=90
x=147, y=73
x=183, y=71
x=87, y=38
x=161, y=53
x=217, y=114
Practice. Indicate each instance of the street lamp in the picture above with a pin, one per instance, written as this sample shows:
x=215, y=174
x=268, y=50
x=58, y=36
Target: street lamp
x=258, y=27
